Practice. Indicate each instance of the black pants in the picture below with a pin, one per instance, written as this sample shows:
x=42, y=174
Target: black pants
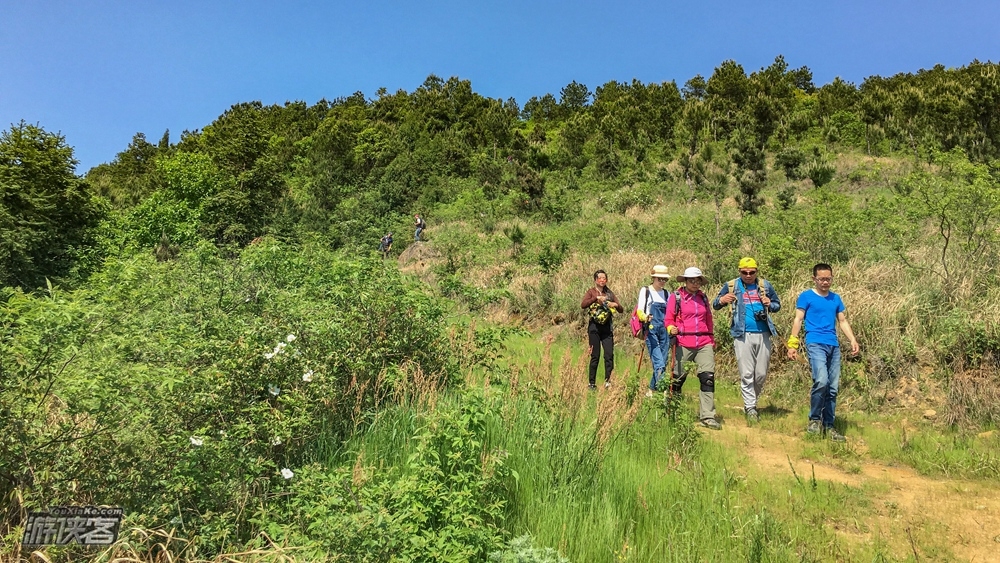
x=601, y=336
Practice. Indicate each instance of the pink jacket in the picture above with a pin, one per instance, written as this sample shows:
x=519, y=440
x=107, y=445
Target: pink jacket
x=693, y=322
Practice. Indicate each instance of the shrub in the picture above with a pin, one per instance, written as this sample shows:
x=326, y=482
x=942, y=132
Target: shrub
x=820, y=173
x=552, y=256
x=622, y=200
x=791, y=159
x=446, y=503
x=180, y=390
x=520, y=550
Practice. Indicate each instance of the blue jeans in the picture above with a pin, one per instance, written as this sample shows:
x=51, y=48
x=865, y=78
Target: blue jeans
x=825, y=362
x=658, y=342
x=416, y=233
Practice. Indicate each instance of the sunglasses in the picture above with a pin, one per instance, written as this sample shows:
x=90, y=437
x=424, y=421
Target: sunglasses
x=748, y=272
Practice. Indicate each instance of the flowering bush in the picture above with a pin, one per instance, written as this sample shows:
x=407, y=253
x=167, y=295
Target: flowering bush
x=187, y=391
x=446, y=503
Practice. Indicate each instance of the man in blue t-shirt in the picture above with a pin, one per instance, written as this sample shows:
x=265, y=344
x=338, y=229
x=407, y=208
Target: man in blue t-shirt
x=822, y=310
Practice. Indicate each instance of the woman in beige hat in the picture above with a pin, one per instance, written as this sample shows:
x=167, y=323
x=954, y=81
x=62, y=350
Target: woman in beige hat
x=651, y=308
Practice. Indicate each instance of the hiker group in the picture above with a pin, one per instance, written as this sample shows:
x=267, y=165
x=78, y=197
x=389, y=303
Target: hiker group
x=385, y=243
x=678, y=329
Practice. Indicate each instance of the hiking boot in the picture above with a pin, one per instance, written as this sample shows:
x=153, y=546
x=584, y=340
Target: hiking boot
x=752, y=416
x=835, y=436
x=592, y=387
x=814, y=427
x=607, y=384
x=711, y=424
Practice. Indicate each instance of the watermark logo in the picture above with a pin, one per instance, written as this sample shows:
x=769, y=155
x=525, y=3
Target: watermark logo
x=66, y=525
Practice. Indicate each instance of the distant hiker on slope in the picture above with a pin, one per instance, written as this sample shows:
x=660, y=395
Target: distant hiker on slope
x=385, y=245
x=420, y=225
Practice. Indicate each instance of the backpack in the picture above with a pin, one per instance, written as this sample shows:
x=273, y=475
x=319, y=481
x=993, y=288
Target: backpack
x=761, y=282
x=638, y=327
x=677, y=301
x=422, y=224
x=762, y=286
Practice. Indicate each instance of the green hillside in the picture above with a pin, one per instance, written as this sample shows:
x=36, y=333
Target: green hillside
x=203, y=332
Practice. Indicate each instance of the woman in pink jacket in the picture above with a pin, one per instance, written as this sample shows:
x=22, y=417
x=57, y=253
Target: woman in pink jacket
x=689, y=317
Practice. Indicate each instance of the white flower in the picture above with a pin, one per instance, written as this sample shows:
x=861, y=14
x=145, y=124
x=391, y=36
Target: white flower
x=276, y=441
x=269, y=355
x=280, y=345
x=197, y=441
x=222, y=433
x=287, y=473
x=307, y=376
x=274, y=390
x=290, y=337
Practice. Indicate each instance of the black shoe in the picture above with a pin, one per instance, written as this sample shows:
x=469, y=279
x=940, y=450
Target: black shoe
x=835, y=436
x=752, y=416
x=592, y=387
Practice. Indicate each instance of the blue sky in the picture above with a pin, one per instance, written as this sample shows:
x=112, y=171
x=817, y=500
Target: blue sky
x=98, y=72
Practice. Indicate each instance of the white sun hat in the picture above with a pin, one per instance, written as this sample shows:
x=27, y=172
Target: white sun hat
x=691, y=273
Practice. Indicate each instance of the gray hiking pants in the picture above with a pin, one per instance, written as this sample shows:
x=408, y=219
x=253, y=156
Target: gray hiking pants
x=704, y=358
x=753, y=353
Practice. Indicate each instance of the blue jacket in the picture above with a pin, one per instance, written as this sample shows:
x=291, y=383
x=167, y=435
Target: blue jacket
x=738, y=326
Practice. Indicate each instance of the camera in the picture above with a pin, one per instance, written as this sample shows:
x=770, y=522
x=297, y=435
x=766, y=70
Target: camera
x=760, y=316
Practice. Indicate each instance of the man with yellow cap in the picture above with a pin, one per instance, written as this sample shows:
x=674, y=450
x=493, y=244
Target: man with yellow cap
x=753, y=300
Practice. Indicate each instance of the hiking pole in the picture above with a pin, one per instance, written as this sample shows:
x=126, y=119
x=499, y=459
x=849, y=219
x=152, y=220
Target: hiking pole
x=641, y=354
x=669, y=395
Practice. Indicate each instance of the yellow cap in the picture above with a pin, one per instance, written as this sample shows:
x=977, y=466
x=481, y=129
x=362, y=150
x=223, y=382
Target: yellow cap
x=748, y=263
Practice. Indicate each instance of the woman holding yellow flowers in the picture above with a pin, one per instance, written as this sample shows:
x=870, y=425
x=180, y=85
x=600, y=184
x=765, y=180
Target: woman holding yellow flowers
x=651, y=307
x=601, y=303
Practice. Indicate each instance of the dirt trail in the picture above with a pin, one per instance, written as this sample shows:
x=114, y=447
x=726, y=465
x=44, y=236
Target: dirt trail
x=963, y=516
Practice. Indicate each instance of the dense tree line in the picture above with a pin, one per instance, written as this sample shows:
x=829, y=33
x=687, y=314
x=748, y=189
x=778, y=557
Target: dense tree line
x=349, y=169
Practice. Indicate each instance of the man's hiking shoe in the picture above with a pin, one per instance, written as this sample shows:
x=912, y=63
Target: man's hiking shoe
x=592, y=387
x=752, y=416
x=814, y=427
x=835, y=436
x=711, y=424
x=607, y=384
x=649, y=393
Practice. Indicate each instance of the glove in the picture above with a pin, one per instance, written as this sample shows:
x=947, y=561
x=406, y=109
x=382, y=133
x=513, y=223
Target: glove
x=671, y=330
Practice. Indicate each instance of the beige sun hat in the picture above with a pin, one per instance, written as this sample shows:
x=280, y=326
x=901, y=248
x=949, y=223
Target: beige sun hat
x=660, y=271
x=691, y=273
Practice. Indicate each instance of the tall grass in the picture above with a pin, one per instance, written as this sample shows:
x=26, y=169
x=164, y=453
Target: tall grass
x=608, y=476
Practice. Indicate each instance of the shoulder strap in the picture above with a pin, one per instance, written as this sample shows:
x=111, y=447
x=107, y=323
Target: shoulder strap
x=732, y=286
x=677, y=302
x=645, y=305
